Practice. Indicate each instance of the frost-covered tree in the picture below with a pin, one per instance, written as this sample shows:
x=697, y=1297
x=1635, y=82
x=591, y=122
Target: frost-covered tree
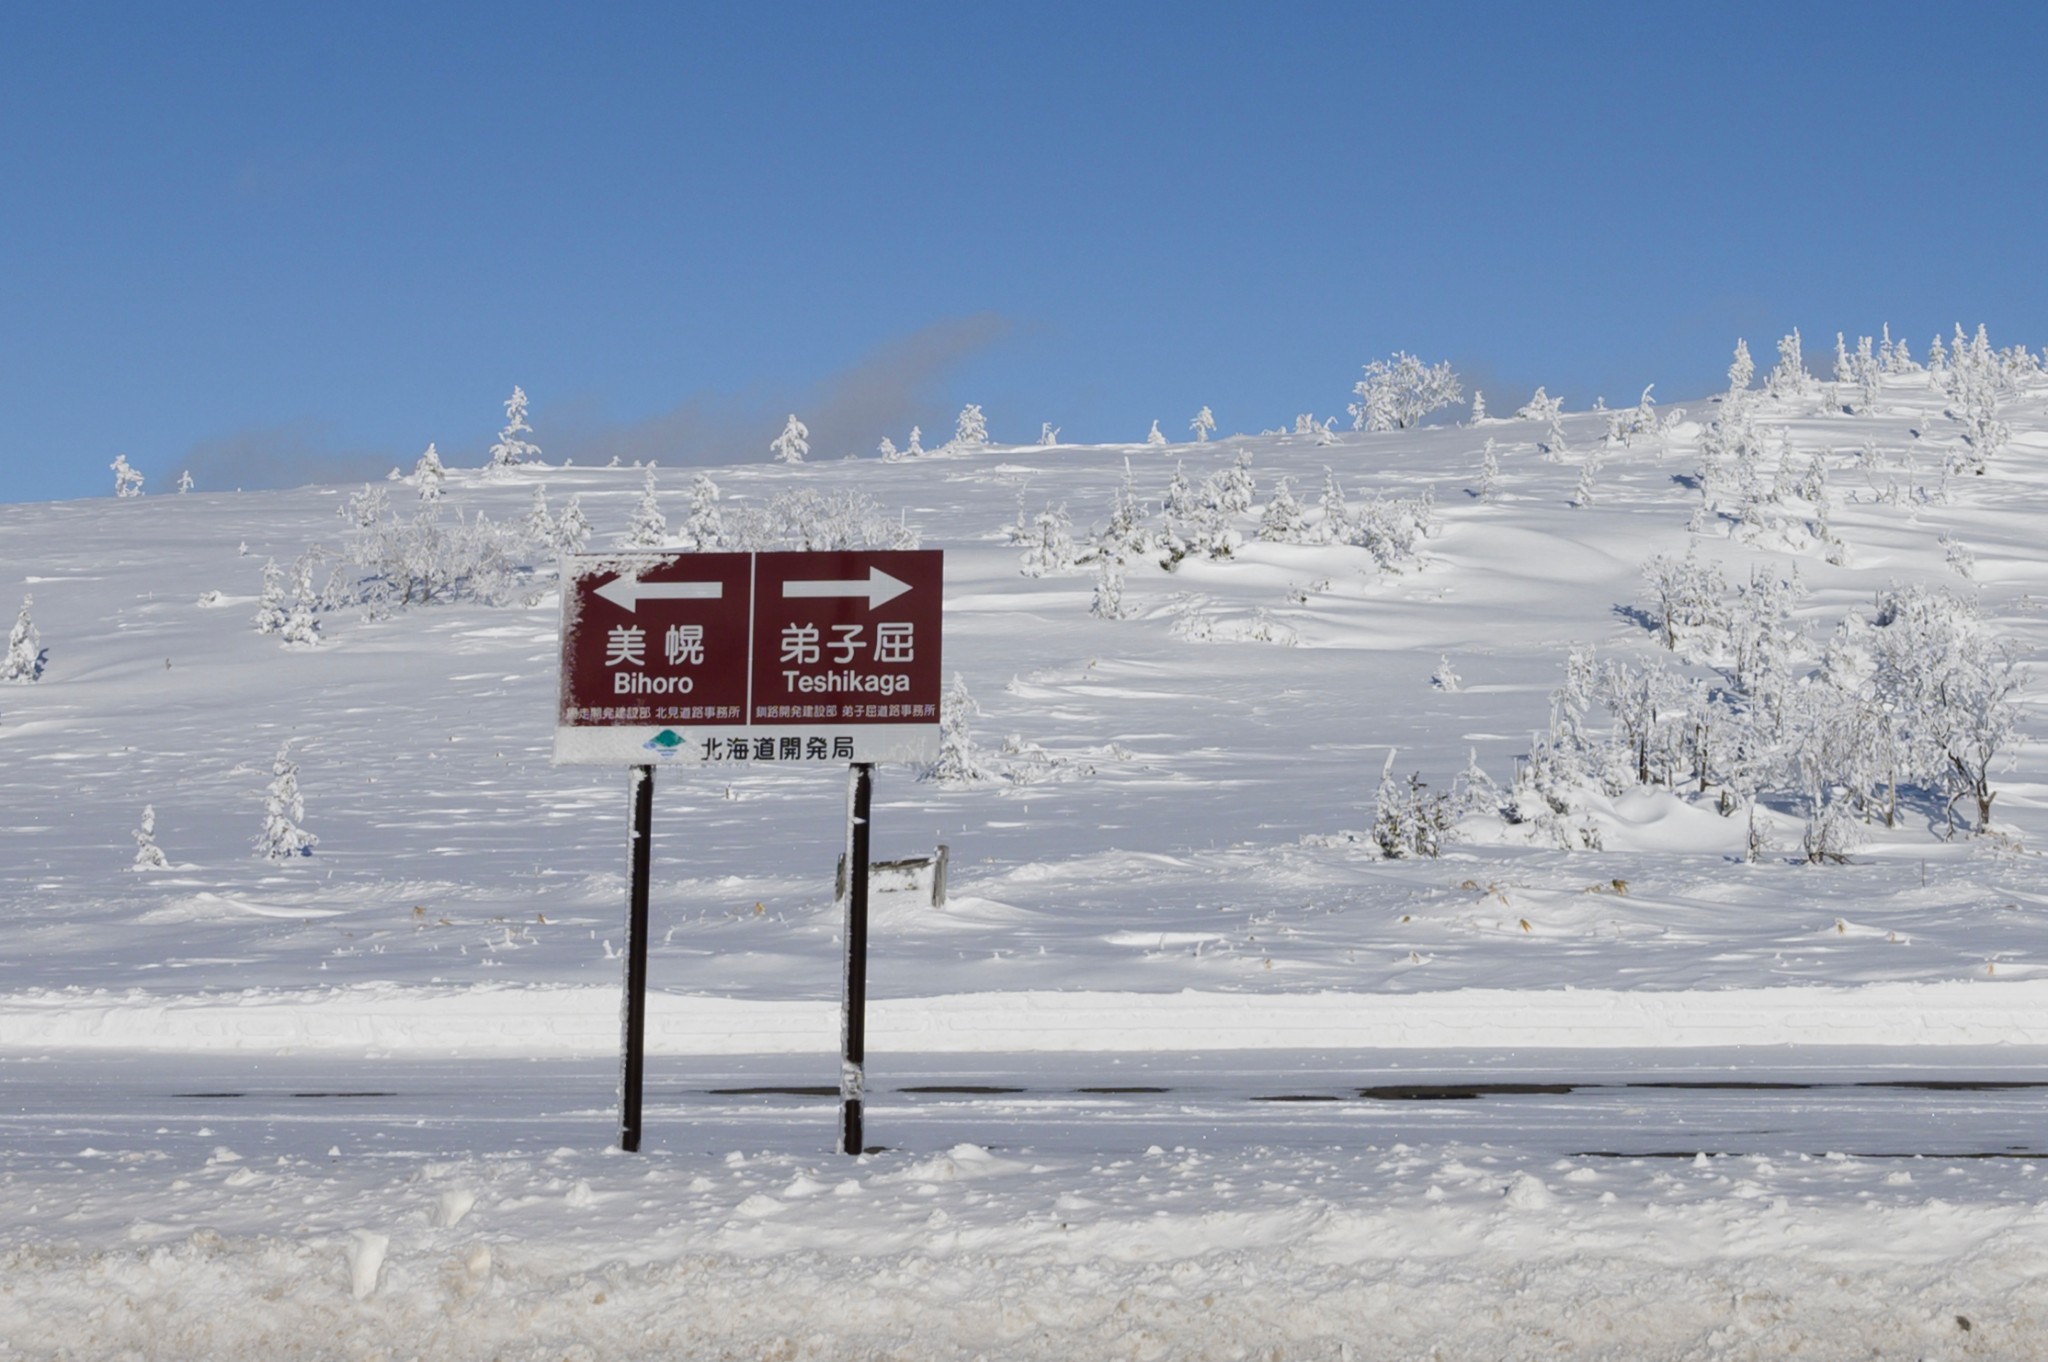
x=1283, y=521
x=1398, y=392
x=649, y=527
x=283, y=807
x=916, y=445
x=512, y=447
x=1048, y=435
x=365, y=508
x=1478, y=406
x=270, y=609
x=1444, y=678
x=1124, y=537
x=184, y=482
x=1407, y=819
x=148, y=855
x=572, y=529
x=704, y=527
x=1741, y=372
x=1236, y=488
x=1686, y=598
x=538, y=523
x=1541, y=407
x=1155, y=436
x=1788, y=378
x=1336, y=524
x=1588, y=488
x=1108, y=600
x=302, y=623
x=1204, y=425
x=127, y=479
x=1050, y=547
x=428, y=475
x=887, y=449
x=793, y=443
x=26, y=657
x=970, y=428
x=1489, y=472
x=957, y=762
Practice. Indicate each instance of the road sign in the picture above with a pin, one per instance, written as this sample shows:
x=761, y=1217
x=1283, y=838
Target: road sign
x=751, y=659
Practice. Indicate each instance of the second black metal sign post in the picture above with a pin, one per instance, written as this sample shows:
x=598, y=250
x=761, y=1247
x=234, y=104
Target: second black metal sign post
x=853, y=1023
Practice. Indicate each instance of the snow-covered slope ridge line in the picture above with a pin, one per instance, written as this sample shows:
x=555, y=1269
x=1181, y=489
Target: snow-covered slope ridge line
x=1632, y=702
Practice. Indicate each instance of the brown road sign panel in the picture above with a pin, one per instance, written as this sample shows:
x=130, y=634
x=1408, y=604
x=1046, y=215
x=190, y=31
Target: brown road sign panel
x=751, y=658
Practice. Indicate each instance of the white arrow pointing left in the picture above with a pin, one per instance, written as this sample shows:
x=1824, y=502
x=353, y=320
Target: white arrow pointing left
x=628, y=592
x=880, y=588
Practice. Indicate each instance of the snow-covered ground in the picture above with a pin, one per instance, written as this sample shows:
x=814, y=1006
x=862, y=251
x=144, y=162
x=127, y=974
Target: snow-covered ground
x=1167, y=881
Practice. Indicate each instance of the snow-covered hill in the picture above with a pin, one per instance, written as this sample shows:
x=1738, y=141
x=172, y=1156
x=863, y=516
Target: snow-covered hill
x=1178, y=845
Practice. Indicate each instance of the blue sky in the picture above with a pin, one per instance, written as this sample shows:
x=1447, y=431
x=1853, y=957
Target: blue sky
x=283, y=243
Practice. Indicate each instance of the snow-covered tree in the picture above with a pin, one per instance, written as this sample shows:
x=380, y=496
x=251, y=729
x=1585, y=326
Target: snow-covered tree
x=1478, y=406
x=1740, y=371
x=1408, y=820
x=704, y=527
x=1489, y=472
x=957, y=763
x=283, y=807
x=302, y=624
x=572, y=529
x=1108, y=600
x=26, y=657
x=185, y=482
x=916, y=445
x=1336, y=526
x=538, y=524
x=649, y=527
x=970, y=428
x=148, y=855
x=1050, y=547
x=1124, y=537
x=1788, y=378
x=512, y=448
x=1204, y=425
x=1686, y=598
x=887, y=449
x=1155, y=436
x=1444, y=678
x=1048, y=435
x=1283, y=521
x=1588, y=487
x=1399, y=391
x=1541, y=407
x=365, y=508
x=270, y=609
x=1236, y=488
x=428, y=475
x=793, y=443
x=127, y=479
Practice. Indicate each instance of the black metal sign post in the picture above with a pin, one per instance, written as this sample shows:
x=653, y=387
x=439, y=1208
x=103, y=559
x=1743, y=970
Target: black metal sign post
x=853, y=1021
x=633, y=1018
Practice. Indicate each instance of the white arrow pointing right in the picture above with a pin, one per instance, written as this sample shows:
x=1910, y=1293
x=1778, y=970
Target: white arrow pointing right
x=880, y=588
x=628, y=592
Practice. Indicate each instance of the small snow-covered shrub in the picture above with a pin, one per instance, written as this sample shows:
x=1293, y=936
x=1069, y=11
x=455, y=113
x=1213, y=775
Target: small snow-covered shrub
x=148, y=855
x=958, y=763
x=26, y=657
x=283, y=807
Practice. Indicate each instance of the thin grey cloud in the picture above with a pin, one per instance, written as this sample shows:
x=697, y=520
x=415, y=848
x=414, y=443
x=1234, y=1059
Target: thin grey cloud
x=887, y=391
x=293, y=455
